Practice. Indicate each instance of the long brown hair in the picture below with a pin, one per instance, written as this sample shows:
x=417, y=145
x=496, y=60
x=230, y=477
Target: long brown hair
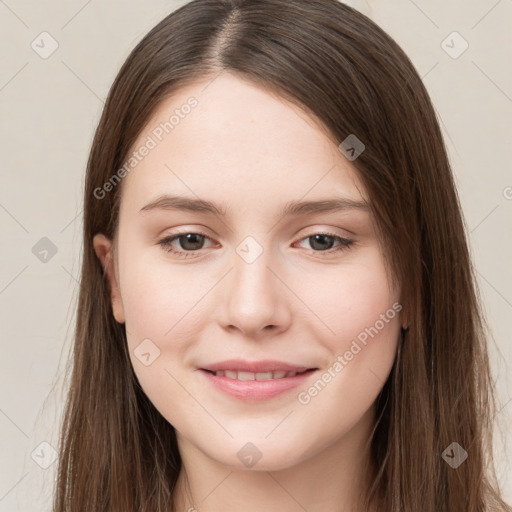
x=117, y=453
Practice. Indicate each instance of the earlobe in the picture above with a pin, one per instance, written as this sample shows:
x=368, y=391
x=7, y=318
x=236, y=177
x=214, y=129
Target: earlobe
x=104, y=251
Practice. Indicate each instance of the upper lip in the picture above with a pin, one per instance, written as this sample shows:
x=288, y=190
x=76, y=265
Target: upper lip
x=254, y=366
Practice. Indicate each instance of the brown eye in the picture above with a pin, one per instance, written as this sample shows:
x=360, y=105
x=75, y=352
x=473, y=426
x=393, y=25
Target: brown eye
x=321, y=242
x=324, y=242
x=190, y=241
x=187, y=243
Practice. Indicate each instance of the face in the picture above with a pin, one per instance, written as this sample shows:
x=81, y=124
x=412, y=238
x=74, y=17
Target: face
x=253, y=281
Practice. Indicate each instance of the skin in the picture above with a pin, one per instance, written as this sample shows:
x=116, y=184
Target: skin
x=252, y=152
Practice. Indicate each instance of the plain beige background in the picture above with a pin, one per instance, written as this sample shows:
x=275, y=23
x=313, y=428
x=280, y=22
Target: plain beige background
x=49, y=108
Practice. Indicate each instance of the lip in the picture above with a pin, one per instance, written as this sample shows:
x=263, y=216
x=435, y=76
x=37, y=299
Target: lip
x=256, y=390
x=254, y=366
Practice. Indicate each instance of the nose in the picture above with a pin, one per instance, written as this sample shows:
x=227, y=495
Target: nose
x=254, y=300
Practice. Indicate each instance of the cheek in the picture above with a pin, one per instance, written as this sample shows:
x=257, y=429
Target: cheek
x=360, y=326
x=161, y=321
x=362, y=312
x=351, y=298
x=158, y=300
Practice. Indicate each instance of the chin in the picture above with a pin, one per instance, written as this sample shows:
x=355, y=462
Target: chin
x=273, y=464
x=256, y=456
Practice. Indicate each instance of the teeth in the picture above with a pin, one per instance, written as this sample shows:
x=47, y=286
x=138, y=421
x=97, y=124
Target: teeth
x=264, y=376
x=232, y=374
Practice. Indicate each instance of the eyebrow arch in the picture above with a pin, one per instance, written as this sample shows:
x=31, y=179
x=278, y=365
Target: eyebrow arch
x=292, y=208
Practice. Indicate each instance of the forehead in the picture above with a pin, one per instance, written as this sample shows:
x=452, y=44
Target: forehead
x=238, y=144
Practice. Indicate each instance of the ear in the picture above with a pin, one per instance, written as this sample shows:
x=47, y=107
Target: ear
x=104, y=250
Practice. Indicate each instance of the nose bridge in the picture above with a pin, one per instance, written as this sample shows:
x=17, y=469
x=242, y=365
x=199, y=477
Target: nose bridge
x=254, y=296
x=251, y=273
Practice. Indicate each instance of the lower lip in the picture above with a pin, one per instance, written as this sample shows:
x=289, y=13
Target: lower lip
x=256, y=389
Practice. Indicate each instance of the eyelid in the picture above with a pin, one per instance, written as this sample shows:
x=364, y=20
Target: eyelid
x=345, y=243
x=167, y=240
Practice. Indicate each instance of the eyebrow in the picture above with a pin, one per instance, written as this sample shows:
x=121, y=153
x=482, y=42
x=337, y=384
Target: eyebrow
x=292, y=208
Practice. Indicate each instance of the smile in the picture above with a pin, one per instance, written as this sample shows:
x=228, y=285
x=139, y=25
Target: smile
x=242, y=375
x=249, y=386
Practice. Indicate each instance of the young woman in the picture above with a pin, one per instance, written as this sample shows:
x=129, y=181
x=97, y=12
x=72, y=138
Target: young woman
x=277, y=308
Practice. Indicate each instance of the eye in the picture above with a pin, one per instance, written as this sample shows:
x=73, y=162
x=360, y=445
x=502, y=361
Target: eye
x=323, y=243
x=192, y=242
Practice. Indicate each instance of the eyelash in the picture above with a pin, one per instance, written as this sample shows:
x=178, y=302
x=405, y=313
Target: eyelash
x=166, y=242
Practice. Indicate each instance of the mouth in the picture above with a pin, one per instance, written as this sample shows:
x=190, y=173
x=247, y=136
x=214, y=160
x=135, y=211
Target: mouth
x=255, y=387
x=259, y=376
